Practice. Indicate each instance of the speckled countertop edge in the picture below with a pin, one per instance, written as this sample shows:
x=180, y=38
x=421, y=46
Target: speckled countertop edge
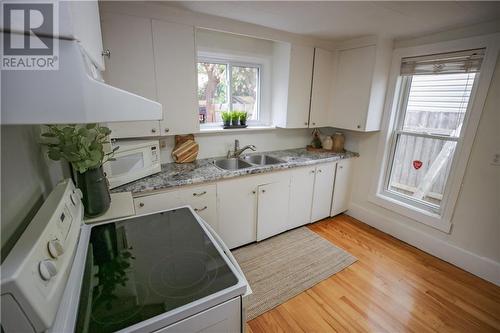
x=203, y=171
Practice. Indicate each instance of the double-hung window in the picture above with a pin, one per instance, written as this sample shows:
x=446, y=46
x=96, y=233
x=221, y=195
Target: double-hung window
x=435, y=93
x=224, y=85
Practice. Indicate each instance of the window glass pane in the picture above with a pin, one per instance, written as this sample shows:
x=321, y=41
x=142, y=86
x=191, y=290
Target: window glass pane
x=244, y=85
x=437, y=103
x=212, y=91
x=420, y=167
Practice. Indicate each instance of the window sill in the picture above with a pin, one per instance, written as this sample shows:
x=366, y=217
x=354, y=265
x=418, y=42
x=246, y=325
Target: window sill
x=250, y=128
x=417, y=214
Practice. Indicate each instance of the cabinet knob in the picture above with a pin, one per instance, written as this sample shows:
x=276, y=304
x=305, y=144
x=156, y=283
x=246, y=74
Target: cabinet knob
x=312, y=171
x=359, y=126
x=106, y=53
x=263, y=191
x=253, y=192
x=153, y=130
x=141, y=204
x=167, y=130
x=314, y=123
x=306, y=123
x=341, y=167
x=319, y=170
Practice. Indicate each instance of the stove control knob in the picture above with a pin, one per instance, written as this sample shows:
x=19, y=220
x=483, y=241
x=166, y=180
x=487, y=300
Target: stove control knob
x=56, y=248
x=47, y=269
x=75, y=196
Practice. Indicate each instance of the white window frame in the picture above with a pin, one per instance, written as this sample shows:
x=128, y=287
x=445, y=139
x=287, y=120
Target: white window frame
x=231, y=61
x=442, y=218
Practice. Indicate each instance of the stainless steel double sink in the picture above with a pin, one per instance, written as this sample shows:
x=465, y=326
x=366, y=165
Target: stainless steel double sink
x=246, y=162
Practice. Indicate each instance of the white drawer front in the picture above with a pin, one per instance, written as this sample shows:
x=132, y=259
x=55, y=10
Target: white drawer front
x=201, y=198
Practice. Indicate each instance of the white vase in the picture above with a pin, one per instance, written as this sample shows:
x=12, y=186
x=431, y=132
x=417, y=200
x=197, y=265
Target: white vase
x=327, y=142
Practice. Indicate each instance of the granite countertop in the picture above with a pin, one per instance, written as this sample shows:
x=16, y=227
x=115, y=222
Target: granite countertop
x=203, y=170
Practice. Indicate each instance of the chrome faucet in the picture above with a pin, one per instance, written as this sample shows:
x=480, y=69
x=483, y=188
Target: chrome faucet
x=238, y=151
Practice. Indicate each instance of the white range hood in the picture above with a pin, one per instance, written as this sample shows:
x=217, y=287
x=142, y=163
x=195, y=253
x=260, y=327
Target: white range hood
x=74, y=93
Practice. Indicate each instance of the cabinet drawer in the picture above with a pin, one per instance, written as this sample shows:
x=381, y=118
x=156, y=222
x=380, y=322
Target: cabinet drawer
x=201, y=198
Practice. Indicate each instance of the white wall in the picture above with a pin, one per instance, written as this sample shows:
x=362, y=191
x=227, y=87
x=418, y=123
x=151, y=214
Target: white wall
x=215, y=41
x=474, y=241
x=26, y=179
x=217, y=144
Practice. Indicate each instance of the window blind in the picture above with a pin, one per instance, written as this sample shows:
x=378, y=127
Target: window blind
x=438, y=103
x=468, y=61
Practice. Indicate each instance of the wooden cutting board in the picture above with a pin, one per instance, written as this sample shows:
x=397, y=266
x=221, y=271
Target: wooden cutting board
x=185, y=150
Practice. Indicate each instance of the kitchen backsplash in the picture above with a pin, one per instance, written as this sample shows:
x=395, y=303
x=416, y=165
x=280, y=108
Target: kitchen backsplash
x=217, y=144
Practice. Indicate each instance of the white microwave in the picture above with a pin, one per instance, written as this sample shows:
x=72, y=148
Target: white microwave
x=133, y=160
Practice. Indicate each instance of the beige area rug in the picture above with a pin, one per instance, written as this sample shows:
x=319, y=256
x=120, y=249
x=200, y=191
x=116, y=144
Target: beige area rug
x=283, y=266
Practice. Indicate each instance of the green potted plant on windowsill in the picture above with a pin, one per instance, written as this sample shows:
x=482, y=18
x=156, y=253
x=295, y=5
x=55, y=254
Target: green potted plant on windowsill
x=83, y=147
x=235, y=117
x=243, y=118
x=226, y=118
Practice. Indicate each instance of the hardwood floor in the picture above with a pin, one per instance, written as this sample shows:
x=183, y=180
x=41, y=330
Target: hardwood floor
x=393, y=287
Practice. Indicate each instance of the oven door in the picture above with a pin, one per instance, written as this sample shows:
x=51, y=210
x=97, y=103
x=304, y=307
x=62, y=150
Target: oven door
x=131, y=165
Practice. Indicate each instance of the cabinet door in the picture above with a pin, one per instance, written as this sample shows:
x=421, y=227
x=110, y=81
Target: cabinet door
x=175, y=60
x=301, y=196
x=321, y=93
x=353, y=82
x=323, y=190
x=272, y=209
x=130, y=66
x=87, y=29
x=237, y=209
x=299, y=86
x=342, y=188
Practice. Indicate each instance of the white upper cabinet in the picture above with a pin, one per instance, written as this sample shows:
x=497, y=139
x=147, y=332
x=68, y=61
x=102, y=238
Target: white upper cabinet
x=85, y=26
x=292, y=77
x=359, y=85
x=157, y=60
x=321, y=92
x=78, y=20
x=130, y=66
x=175, y=60
x=299, y=86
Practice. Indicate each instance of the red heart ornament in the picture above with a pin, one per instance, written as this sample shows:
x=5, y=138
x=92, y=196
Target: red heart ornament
x=417, y=164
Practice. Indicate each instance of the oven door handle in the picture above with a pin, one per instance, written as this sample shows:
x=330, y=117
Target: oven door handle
x=229, y=255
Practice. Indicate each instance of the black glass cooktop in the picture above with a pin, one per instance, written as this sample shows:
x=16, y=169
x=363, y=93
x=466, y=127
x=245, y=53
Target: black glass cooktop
x=142, y=267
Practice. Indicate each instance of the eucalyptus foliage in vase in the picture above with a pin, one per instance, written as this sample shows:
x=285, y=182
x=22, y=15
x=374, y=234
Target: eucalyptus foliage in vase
x=83, y=147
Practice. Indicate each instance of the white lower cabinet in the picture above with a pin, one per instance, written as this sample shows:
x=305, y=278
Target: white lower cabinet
x=323, y=190
x=342, y=187
x=301, y=196
x=236, y=204
x=252, y=208
x=272, y=208
x=223, y=318
x=201, y=198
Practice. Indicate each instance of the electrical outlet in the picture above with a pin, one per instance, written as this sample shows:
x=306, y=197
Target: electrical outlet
x=496, y=159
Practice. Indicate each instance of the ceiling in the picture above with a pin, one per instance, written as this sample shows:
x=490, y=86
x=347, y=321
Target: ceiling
x=338, y=20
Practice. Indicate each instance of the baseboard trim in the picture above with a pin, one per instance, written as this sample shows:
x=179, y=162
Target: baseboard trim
x=483, y=267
